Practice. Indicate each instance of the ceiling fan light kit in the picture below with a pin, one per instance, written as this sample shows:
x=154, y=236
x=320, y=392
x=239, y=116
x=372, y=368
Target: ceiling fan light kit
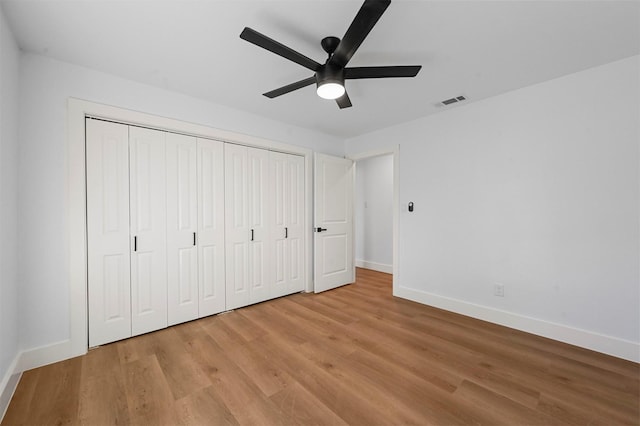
x=330, y=81
x=330, y=90
x=330, y=76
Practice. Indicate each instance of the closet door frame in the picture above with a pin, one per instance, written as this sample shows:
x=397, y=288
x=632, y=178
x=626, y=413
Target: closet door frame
x=77, y=111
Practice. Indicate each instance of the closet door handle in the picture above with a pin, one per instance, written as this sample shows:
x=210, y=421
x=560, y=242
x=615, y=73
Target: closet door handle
x=135, y=243
x=252, y=235
x=286, y=232
x=194, y=238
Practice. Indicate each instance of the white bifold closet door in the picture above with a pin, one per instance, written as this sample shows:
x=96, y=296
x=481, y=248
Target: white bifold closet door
x=155, y=208
x=246, y=207
x=264, y=204
x=108, y=266
x=182, y=227
x=148, y=194
x=211, y=273
x=260, y=202
x=287, y=183
x=195, y=228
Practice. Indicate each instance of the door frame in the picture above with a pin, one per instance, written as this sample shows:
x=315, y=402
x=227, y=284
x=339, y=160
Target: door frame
x=76, y=210
x=395, y=153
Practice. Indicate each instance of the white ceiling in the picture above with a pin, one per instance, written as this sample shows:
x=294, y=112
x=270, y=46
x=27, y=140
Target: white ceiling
x=473, y=48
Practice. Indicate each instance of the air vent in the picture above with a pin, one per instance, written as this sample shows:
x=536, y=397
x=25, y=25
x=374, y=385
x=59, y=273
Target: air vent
x=453, y=100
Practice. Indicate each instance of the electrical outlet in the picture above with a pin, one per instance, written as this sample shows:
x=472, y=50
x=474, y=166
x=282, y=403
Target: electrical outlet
x=498, y=290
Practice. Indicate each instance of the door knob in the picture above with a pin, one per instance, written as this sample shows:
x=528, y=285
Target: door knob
x=320, y=229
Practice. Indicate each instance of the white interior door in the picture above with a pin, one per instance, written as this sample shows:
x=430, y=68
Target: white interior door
x=236, y=226
x=260, y=201
x=294, y=234
x=286, y=245
x=107, y=150
x=277, y=218
x=182, y=227
x=148, y=230
x=211, y=275
x=333, y=218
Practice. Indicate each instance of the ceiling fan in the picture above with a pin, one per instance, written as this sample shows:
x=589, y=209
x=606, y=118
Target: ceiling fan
x=330, y=76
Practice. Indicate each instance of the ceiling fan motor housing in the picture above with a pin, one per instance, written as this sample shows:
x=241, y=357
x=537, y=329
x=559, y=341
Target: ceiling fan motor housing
x=329, y=73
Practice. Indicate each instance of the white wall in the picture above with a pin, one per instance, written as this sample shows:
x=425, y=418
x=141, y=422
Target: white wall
x=9, y=60
x=374, y=213
x=45, y=86
x=536, y=189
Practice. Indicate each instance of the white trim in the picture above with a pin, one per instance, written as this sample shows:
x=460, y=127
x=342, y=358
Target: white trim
x=44, y=355
x=380, y=267
x=370, y=154
x=8, y=386
x=76, y=207
x=598, y=342
x=308, y=220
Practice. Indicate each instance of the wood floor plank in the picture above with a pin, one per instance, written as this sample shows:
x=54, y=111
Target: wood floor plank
x=103, y=399
x=578, y=415
x=355, y=407
x=127, y=350
x=382, y=388
x=503, y=410
x=242, y=327
x=353, y=355
x=255, y=362
x=19, y=410
x=303, y=408
x=203, y=407
x=149, y=398
x=55, y=400
x=232, y=385
x=182, y=374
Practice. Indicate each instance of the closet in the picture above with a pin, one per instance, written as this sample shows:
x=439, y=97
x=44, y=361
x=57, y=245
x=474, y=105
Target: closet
x=264, y=203
x=180, y=227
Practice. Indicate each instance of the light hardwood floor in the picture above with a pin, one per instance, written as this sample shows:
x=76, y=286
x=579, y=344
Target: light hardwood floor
x=354, y=355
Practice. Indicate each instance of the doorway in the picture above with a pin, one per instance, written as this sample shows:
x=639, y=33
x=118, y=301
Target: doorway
x=389, y=161
x=373, y=210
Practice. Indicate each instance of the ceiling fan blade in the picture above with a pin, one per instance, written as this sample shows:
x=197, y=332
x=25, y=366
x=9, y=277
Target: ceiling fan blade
x=344, y=101
x=291, y=87
x=382, y=72
x=252, y=36
x=362, y=24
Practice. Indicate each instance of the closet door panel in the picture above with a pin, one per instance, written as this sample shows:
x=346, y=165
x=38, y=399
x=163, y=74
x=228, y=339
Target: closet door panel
x=211, y=259
x=237, y=231
x=109, y=302
x=278, y=242
x=182, y=227
x=294, y=212
x=260, y=205
x=148, y=229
